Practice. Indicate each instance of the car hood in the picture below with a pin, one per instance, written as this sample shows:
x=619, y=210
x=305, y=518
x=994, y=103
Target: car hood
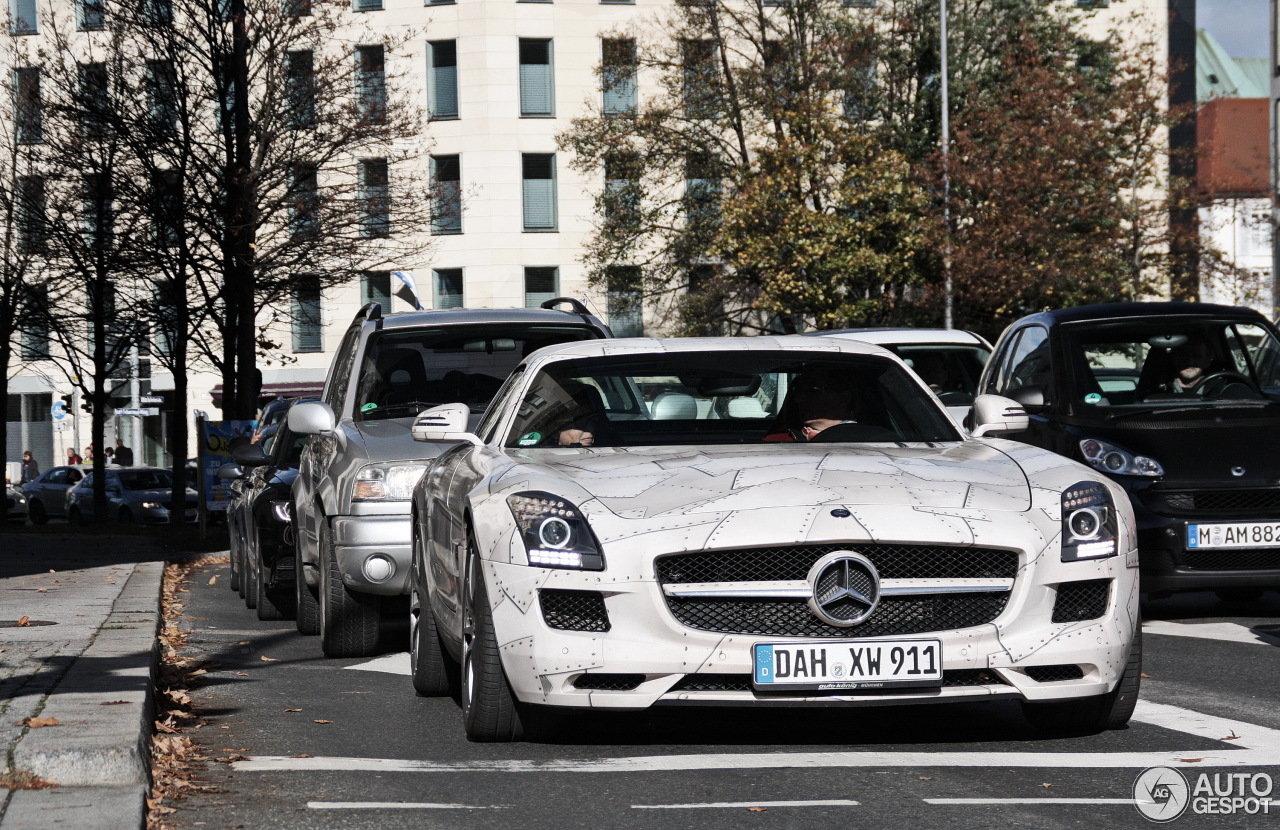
x=652, y=481
x=390, y=440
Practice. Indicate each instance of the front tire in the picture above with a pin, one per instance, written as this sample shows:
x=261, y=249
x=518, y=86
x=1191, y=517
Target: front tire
x=307, y=605
x=1090, y=715
x=348, y=620
x=428, y=663
x=490, y=712
x=37, y=513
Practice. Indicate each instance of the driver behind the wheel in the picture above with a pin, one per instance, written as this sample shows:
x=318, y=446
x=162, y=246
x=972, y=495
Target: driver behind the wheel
x=1190, y=365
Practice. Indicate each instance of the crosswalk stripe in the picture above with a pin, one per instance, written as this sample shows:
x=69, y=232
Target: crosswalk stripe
x=730, y=805
x=1229, y=632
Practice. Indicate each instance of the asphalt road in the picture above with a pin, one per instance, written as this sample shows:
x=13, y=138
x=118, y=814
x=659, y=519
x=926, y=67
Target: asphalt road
x=346, y=743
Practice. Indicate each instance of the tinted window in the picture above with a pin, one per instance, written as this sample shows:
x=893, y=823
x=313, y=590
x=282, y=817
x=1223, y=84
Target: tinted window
x=335, y=391
x=951, y=371
x=145, y=479
x=1029, y=364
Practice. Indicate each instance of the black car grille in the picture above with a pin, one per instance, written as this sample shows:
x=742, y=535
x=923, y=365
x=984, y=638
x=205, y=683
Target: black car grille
x=1214, y=502
x=191, y=504
x=1261, y=559
x=574, y=610
x=1054, y=674
x=791, y=617
x=609, y=682
x=1079, y=601
x=742, y=682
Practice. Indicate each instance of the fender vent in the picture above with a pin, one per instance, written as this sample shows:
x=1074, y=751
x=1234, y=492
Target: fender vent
x=1081, y=600
x=573, y=610
x=1054, y=674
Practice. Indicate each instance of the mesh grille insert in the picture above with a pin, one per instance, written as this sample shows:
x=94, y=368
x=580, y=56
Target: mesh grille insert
x=1053, y=674
x=1081, y=600
x=1267, y=559
x=792, y=617
x=609, y=682
x=1215, y=501
x=573, y=610
x=785, y=563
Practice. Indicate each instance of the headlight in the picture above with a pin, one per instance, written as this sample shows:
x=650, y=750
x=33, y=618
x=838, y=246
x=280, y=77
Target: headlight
x=280, y=509
x=150, y=505
x=1089, y=526
x=387, y=483
x=1116, y=461
x=554, y=533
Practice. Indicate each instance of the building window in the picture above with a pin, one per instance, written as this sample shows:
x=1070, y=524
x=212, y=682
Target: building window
x=296, y=8
x=156, y=12
x=35, y=324
x=537, y=79
x=541, y=283
x=308, y=335
x=95, y=98
x=439, y=2
x=31, y=221
x=701, y=79
x=91, y=15
x=300, y=89
x=1093, y=4
x=622, y=189
x=446, y=194
x=375, y=287
x=304, y=202
x=539, y=172
x=28, y=109
x=625, y=305
x=166, y=202
x=442, y=85
x=860, y=94
x=22, y=17
x=446, y=288
x=162, y=96
x=618, y=76
x=368, y=5
x=96, y=196
x=702, y=190
x=371, y=85
x=375, y=198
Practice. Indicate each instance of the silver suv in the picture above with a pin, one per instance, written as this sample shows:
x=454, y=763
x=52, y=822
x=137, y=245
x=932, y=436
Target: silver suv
x=351, y=498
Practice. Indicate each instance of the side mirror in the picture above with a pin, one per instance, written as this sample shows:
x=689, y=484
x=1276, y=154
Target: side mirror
x=229, y=472
x=312, y=418
x=249, y=455
x=1031, y=397
x=447, y=422
x=996, y=415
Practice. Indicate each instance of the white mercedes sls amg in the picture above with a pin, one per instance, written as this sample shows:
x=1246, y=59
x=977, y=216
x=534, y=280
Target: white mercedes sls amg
x=761, y=521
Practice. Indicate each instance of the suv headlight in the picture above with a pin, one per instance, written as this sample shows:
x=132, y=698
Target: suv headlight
x=390, y=482
x=554, y=533
x=1089, y=526
x=1117, y=461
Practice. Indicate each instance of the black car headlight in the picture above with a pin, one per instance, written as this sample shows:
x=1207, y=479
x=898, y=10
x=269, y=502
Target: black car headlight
x=1114, y=460
x=554, y=533
x=1089, y=526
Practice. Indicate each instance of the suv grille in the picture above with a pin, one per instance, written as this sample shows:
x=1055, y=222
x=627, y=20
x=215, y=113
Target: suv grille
x=1265, y=559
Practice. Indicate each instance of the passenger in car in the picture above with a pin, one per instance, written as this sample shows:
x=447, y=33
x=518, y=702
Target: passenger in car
x=817, y=400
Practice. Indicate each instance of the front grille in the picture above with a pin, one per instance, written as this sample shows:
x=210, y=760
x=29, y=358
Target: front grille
x=608, y=682
x=1265, y=559
x=1222, y=501
x=1054, y=674
x=891, y=561
x=1081, y=600
x=742, y=682
x=792, y=617
x=574, y=610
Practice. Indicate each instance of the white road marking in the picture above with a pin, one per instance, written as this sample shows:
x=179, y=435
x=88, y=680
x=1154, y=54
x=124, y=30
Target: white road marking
x=1229, y=632
x=717, y=805
x=388, y=664
x=1240, y=744
x=396, y=805
x=999, y=801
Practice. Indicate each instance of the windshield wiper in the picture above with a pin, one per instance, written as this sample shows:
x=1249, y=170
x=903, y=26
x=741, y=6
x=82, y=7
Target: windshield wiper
x=1229, y=403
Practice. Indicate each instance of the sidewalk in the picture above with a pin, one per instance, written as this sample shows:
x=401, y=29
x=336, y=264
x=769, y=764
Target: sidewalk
x=86, y=658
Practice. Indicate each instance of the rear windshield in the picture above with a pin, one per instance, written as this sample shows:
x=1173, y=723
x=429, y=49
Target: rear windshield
x=405, y=372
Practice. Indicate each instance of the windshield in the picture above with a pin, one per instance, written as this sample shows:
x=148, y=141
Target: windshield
x=1171, y=362
x=951, y=370
x=717, y=398
x=405, y=372
x=145, y=479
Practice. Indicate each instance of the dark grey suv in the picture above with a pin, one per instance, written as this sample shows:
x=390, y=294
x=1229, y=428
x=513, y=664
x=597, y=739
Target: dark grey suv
x=351, y=498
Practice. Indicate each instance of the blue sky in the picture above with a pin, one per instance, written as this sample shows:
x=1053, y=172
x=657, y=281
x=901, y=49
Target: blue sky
x=1241, y=26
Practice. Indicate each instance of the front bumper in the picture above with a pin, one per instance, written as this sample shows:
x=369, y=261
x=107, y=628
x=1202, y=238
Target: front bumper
x=366, y=545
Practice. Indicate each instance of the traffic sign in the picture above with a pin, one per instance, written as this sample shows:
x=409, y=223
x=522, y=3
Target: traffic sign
x=137, y=412
x=58, y=410
x=150, y=399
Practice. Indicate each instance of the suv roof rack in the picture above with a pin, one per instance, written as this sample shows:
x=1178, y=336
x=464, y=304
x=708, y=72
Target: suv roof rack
x=576, y=306
x=369, y=311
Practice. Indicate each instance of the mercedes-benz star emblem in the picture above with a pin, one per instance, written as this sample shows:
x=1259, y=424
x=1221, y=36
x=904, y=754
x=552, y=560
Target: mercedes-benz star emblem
x=846, y=588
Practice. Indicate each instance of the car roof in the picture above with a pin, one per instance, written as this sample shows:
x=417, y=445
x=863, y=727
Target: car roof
x=694, y=345
x=907, y=336
x=472, y=316
x=1114, y=311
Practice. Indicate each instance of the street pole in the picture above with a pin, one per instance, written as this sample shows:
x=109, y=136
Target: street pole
x=945, y=140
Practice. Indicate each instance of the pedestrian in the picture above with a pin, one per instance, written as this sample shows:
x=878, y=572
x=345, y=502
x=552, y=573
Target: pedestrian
x=88, y=453
x=30, y=469
x=108, y=453
x=73, y=457
x=124, y=455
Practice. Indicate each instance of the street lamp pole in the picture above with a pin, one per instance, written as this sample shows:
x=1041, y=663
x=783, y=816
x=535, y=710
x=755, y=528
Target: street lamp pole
x=945, y=141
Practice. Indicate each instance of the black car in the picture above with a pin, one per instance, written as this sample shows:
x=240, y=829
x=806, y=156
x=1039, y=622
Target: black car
x=1180, y=404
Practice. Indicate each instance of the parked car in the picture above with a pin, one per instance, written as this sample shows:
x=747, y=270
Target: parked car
x=950, y=361
x=709, y=558
x=351, y=495
x=134, y=495
x=15, y=504
x=262, y=534
x=1199, y=462
x=47, y=495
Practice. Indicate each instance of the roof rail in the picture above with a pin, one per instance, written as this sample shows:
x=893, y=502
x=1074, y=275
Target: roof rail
x=370, y=311
x=576, y=306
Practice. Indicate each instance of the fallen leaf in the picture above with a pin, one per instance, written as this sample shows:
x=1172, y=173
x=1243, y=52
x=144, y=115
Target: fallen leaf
x=36, y=723
x=1232, y=737
x=1046, y=785
x=42, y=590
x=1190, y=760
x=242, y=674
x=323, y=721
x=213, y=579
x=243, y=643
x=114, y=703
x=926, y=778
x=293, y=710
x=1144, y=674
x=267, y=659
x=301, y=755
x=24, y=621
x=757, y=809
x=227, y=759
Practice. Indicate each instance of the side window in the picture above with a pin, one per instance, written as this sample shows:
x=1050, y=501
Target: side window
x=1029, y=364
x=335, y=392
x=1255, y=345
x=56, y=477
x=489, y=422
x=1000, y=365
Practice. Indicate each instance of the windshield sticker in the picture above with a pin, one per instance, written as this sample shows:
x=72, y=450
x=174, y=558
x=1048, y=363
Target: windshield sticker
x=529, y=439
x=1093, y=397
x=369, y=407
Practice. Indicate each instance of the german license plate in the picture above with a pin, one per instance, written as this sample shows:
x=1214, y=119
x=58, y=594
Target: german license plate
x=866, y=664
x=1233, y=535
